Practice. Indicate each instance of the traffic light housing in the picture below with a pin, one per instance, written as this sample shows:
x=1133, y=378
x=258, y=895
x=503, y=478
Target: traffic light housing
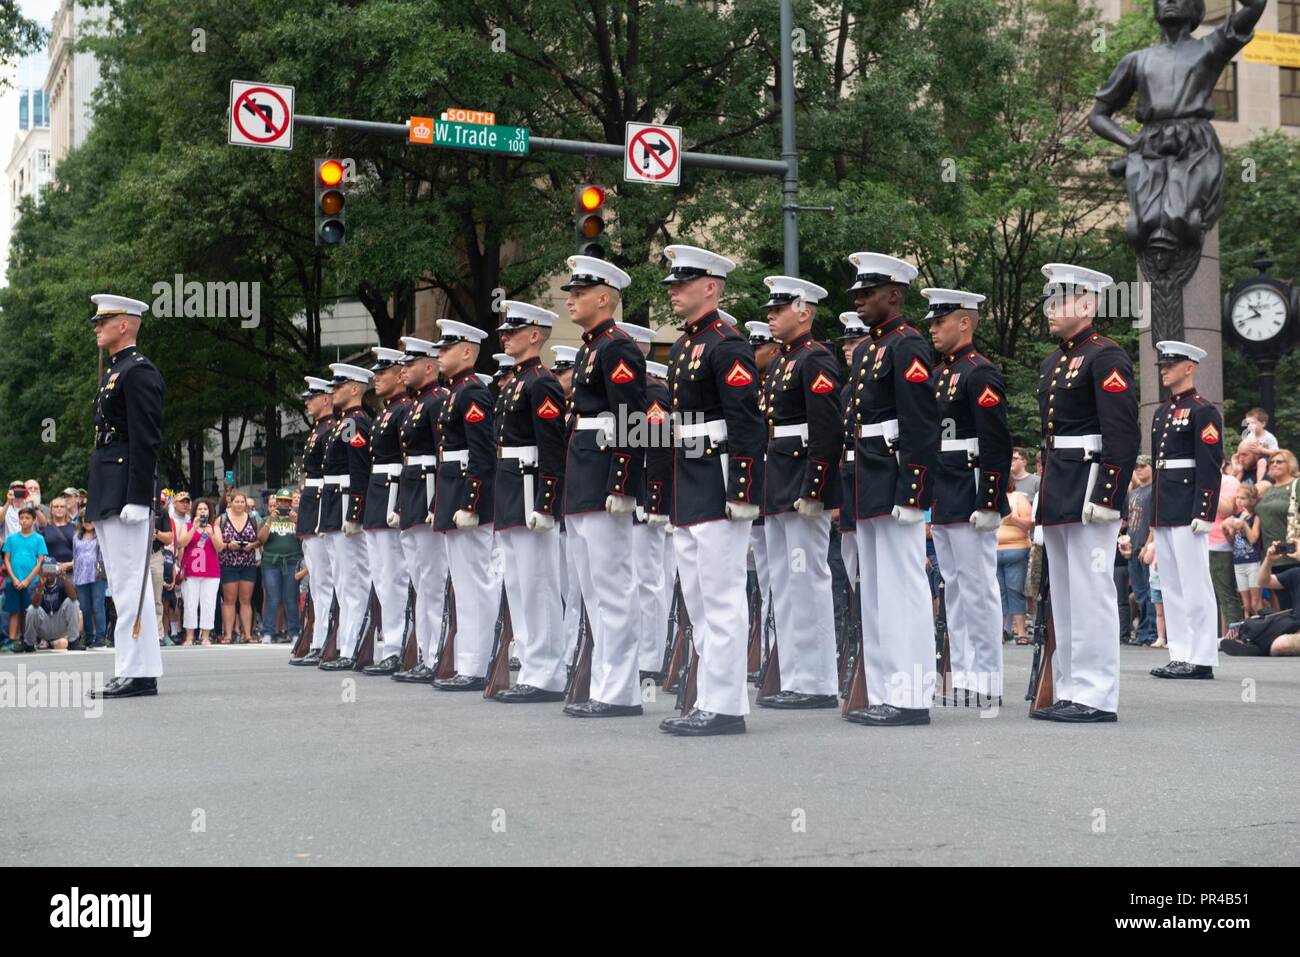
x=589, y=220
x=331, y=203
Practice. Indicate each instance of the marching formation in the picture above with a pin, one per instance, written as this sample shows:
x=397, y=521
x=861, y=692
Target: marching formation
x=586, y=511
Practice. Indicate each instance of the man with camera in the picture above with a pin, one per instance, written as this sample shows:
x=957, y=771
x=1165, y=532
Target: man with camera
x=1276, y=635
x=54, y=618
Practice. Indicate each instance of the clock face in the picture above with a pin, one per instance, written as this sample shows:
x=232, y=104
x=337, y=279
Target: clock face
x=1259, y=313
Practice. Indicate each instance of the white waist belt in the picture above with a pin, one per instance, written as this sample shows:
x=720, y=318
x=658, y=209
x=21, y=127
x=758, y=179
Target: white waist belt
x=969, y=446
x=461, y=456
x=787, y=431
x=314, y=483
x=848, y=455
x=1176, y=464
x=1089, y=443
x=587, y=423
x=392, y=470
x=340, y=480
x=715, y=429
x=422, y=460
x=888, y=430
x=526, y=454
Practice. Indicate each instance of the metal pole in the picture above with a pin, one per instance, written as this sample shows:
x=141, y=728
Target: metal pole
x=790, y=178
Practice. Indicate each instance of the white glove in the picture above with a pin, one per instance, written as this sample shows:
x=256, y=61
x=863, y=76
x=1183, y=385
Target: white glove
x=1038, y=535
x=1200, y=526
x=741, y=511
x=351, y=528
x=1094, y=514
x=394, y=520
x=985, y=520
x=620, y=504
x=540, y=521
x=810, y=510
x=429, y=519
x=655, y=520
x=904, y=515
x=134, y=514
x=464, y=518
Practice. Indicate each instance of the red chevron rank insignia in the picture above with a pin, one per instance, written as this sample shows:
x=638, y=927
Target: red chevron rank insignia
x=1114, y=382
x=474, y=413
x=739, y=375
x=1210, y=435
x=548, y=410
x=988, y=398
x=916, y=372
x=822, y=384
x=358, y=441
x=622, y=374
x=656, y=413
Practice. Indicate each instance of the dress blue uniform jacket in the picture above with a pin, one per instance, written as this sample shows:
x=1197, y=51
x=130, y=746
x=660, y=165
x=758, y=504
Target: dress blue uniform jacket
x=531, y=414
x=802, y=387
x=1187, y=426
x=128, y=433
x=465, y=423
x=972, y=404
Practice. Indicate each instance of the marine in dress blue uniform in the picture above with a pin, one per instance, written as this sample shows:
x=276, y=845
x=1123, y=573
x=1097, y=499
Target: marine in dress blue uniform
x=318, y=398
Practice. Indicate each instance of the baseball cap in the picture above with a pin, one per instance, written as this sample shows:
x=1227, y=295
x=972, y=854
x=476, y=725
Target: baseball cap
x=1143, y=460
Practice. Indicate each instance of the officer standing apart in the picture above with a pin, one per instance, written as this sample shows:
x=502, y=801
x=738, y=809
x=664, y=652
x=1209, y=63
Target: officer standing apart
x=854, y=333
x=382, y=522
x=319, y=557
x=800, y=486
x=1089, y=413
x=425, y=553
x=529, y=485
x=123, y=477
x=970, y=492
x=1187, y=439
x=602, y=476
x=463, y=503
x=718, y=458
x=897, y=443
x=343, y=505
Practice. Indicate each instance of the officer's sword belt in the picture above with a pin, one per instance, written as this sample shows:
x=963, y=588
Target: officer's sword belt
x=526, y=456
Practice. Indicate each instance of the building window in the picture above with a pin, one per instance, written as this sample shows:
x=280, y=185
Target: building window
x=1290, y=78
x=1216, y=10
x=42, y=161
x=1288, y=16
x=1225, y=95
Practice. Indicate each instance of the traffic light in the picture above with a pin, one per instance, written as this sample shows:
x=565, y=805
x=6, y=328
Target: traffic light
x=589, y=220
x=331, y=216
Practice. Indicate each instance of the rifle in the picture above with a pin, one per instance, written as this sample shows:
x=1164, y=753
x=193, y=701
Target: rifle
x=849, y=640
x=365, y=652
x=769, y=676
x=445, y=663
x=855, y=689
x=754, y=659
x=671, y=640
x=677, y=641
x=498, y=674
x=1041, y=693
x=943, y=651
x=578, y=688
x=303, y=644
x=330, y=651
x=686, y=680
x=410, y=653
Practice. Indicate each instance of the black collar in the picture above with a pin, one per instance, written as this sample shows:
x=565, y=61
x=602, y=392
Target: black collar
x=598, y=330
x=796, y=343
x=695, y=326
x=960, y=354
x=888, y=326
x=1083, y=335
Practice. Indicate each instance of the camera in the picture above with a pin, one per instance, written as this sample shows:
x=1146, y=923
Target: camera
x=20, y=493
x=49, y=567
x=203, y=522
x=1284, y=548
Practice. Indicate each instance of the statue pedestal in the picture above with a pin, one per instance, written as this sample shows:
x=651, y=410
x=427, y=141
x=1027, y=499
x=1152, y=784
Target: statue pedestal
x=1202, y=326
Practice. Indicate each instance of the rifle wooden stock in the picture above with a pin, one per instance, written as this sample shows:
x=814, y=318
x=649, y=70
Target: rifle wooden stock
x=1041, y=692
x=330, y=651
x=945, y=667
x=579, y=686
x=855, y=698
x=755, y=648
x=769, y=680
x=688, y=697
x=410, y=653
x=303, y=644
x=370, y=627
x=446, y=666
x=498, y=676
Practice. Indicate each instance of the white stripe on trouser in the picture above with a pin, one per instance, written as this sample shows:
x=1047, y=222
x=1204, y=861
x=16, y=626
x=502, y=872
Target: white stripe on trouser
x=572, y=592
x=969, y=562
x=426, y=562
x=652, y=594
x=319, y=557
x=711, y=563
x=897, y=616
x=125, y=549
x=802, y=603
x=602, y=556
x=1085, y=613
x=391, y=579
x=1191, y=613
x=532, y=573
x=352, y=584
x=758, y=554
x=849, y=552
x=477, y=589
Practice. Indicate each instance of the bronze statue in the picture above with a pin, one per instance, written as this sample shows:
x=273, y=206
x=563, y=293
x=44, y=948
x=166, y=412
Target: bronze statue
x=1173, y=172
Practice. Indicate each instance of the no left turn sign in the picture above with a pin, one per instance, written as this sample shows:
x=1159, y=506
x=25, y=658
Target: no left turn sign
x=261, y=114
x=653, y=154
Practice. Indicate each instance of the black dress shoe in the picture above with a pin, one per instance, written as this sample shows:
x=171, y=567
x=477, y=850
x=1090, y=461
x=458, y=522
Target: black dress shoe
x=1183, y=669
x=461, y=683
x=798, y=701
x=338, y=664
x=1047, y=714
x=656, y=676
x=514, y=664
x=1240, y=649
x=420, y=674
x=887, y=716
x=388, y=666
x=78, y=645
x=311, y=658
x=527, y=694
x=697, y=724
x=599, y=709
x=1075, y=713
x=128, y=688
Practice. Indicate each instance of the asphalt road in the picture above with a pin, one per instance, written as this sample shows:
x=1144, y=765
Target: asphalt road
x=242, y=760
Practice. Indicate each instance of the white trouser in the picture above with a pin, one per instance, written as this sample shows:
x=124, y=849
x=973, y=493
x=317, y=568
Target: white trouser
x=849, y=552
x=1191, y=613
x=125, y=549
x=532, y=573
x=572, y=593
x=391, y=580
x=352, y=584
x=758, y=554
x=200, y=598
x=319, y=557
x=711, y=563
x=602, y=556
x=802, y=601
x=652, y=594
x=897, y=616
x=1085, y=613
x=969, y=562
x=425, y=552
x=477, y=590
